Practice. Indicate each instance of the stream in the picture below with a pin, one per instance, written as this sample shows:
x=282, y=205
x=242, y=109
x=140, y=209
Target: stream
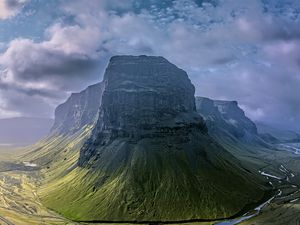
x=291, y=147
x=247, y=215
x=255, y=212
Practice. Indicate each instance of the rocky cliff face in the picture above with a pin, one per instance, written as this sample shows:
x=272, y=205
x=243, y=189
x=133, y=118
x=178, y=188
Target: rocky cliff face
x=226, y=115
x=79, y=110
x=144, y=97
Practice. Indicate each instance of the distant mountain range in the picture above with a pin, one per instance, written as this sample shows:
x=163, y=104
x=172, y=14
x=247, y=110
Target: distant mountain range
x=277, y=135
x=225, y=117
x=23, y=130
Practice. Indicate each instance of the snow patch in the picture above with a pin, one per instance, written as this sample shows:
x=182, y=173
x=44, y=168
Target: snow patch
x=294, y=200
x=270, y=175
x=232, y=122
x=29, y=164
x=280, y=193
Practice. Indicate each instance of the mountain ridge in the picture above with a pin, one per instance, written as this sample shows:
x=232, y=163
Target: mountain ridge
x=149, y=156
x=79, y=110
x=277, y=135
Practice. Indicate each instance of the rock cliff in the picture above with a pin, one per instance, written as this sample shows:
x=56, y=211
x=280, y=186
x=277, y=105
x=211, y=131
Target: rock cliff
x=144, y=97
x=228, y=117
x=79, y=110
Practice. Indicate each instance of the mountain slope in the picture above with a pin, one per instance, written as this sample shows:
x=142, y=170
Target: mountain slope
x=227, y=117
x=73, y=122
x=229, y=126
x=149, y=157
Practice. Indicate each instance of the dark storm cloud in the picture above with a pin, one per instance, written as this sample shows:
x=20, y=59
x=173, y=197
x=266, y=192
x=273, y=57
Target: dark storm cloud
x=29, y=91
x=285, y=31
x=54, y=64
x=46, y=71
x=18, y=104
x=224, y=60
x=12, y=3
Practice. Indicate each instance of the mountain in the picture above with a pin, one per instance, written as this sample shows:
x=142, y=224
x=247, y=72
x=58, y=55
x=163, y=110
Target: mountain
x=270, y=138
x=277, y=135
x=226, y=118
x=229, y=126
x=23, y=130
x=148, y=157
x=73, y=122
x=80, y=110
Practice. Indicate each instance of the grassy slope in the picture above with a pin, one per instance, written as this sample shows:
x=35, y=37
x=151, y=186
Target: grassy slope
x=281, y=210
x=18, y=199
x=148, y=181
x=55, y=148
x=251, y=156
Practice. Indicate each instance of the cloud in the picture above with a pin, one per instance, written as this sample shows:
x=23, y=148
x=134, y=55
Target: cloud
x=70, y=52
x=236, y=50
x=266, y=92
x=10, y=8
x=29, y=61
x=14, y=103
x=67, y=60
x=284, y=52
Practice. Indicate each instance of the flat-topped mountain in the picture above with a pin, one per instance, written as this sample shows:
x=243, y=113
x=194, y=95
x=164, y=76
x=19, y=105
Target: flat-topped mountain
x=231, y=128
x=149, y=157
x=225, y=114
x=227, y=118
x=143, y=97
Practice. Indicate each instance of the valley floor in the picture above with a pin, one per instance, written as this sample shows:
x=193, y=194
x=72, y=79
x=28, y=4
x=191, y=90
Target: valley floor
x=20, y=204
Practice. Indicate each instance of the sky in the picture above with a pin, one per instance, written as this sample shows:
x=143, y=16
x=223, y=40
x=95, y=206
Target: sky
x=244, y=50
